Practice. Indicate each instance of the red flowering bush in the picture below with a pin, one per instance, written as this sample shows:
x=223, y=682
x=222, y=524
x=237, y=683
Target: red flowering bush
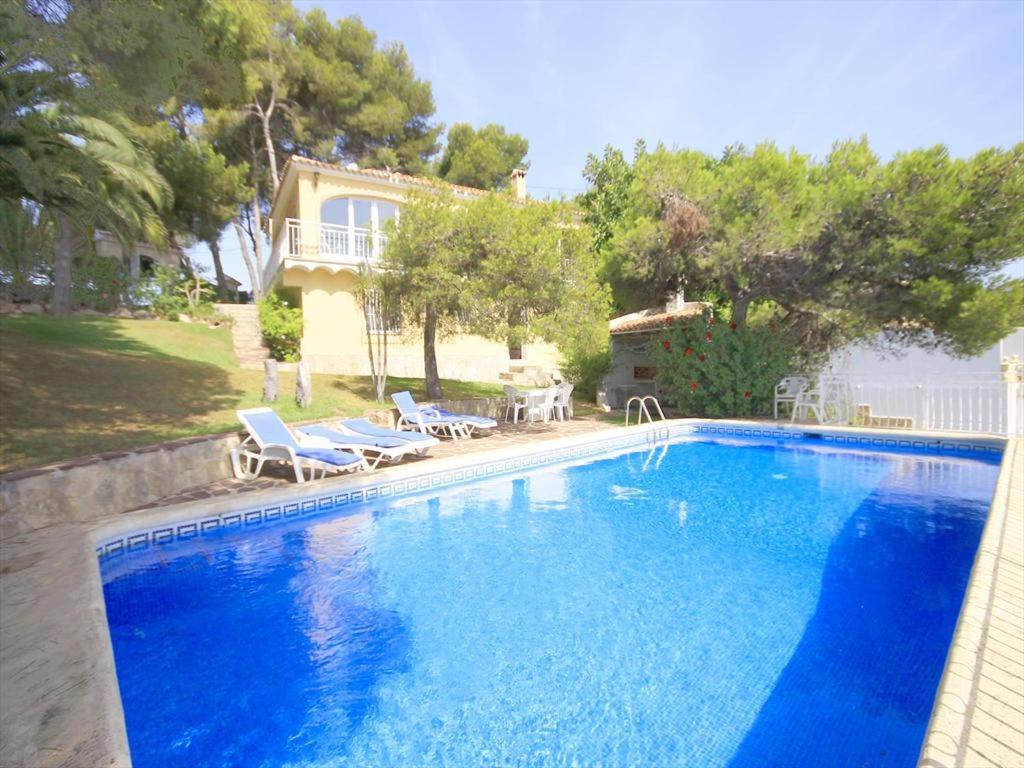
x=729, y=373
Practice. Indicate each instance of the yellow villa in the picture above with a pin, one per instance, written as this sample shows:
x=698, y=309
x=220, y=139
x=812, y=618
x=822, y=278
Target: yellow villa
x=326, y=222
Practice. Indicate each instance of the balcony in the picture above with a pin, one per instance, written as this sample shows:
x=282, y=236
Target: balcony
x=311, y=245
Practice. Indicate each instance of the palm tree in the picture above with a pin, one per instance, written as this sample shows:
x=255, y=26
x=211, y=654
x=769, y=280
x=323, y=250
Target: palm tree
x=82, y=170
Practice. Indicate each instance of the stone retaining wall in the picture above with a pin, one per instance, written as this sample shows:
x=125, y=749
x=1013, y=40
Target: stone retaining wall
x=85, y=489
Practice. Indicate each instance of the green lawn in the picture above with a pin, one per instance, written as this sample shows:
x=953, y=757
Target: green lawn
x=70, y=387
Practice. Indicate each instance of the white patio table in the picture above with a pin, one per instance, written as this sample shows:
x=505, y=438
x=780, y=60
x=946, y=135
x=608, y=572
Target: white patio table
x=534, y=399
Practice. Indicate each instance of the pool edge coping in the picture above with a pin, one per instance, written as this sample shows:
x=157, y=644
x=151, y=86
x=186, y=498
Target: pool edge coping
x=946, y=738
x=177, y=515
x=109, y=716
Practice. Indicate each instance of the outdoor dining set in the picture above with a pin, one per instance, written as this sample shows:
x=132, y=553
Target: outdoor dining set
x=544, y=404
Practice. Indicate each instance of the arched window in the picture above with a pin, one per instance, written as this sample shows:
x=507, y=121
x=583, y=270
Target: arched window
x=385, y=213
x=335, y=212
x=362, y=213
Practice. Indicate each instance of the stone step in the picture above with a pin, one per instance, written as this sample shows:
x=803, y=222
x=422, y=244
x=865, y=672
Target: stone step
x=246, y=338
x=525, y=368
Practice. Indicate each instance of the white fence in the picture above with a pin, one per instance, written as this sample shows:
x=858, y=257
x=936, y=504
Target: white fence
x=973, y=403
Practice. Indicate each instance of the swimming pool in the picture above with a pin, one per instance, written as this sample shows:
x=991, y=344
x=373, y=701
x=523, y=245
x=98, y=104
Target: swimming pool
x=725, y=602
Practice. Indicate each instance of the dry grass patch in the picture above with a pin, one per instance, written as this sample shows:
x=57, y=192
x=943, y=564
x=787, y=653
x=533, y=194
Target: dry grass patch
x=71, y=387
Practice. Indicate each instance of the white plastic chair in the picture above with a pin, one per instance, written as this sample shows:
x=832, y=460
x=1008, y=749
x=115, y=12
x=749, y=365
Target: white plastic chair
x=515, y=401
x=543, y=405
x=827, y=400
x=563, y=402
x=787, y=391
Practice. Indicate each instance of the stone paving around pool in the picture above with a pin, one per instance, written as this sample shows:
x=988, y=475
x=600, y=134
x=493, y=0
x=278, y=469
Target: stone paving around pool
x=995, y=731
x=978, y=720
x=503, y=436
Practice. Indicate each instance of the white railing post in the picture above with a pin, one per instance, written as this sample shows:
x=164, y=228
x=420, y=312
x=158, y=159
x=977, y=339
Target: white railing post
x=1013, y=371
x=922, y=399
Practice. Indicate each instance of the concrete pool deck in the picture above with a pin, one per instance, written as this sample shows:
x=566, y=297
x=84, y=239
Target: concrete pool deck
x=59, y=703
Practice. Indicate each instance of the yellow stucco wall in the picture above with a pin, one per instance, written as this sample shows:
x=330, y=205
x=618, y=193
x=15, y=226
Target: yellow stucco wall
x=334, y=337
x=334, y=334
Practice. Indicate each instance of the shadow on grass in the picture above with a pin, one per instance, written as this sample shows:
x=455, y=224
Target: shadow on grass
x=362, y=387
x=83, y=386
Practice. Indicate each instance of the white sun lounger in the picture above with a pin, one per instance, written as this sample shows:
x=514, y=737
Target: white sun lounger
x=434, y=421
x=390, y=446
x=365, y=428
x=270, y=439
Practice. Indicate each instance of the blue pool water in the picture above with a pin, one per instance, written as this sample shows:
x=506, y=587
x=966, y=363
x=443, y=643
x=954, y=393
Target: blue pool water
x=708, y=604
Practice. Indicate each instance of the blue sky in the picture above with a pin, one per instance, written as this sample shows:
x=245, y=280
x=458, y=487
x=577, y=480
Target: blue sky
x=572, y=77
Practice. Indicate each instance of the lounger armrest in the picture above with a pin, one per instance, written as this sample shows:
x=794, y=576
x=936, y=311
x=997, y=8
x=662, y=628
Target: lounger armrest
x=413, y=420
x=290, y=450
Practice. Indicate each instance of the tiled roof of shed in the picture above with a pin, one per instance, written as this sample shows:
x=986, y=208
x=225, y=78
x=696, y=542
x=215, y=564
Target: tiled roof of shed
x=654, y=317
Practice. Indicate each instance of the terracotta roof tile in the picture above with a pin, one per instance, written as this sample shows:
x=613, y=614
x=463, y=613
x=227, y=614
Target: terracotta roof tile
x=376, y=173
x=655, y=317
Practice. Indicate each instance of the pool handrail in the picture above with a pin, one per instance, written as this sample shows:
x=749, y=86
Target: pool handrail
x=642, y=409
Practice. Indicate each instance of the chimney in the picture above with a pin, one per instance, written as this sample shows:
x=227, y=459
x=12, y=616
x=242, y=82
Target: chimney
x=519, y=183
x=676, y=301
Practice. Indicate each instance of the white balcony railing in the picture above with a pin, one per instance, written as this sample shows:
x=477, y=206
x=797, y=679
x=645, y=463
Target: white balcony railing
x=329, y=243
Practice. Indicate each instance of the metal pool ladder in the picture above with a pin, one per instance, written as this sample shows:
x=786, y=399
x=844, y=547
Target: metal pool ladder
x=642, y=409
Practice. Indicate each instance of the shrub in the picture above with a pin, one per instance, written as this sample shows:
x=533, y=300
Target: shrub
x=170, y=292
x=100, y=283
x=282, y=327
x=716, y=369
x=586, y=369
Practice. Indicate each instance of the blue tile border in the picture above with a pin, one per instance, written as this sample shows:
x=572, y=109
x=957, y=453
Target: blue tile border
x=777, y=434
x=329, y=502
x=905, y=444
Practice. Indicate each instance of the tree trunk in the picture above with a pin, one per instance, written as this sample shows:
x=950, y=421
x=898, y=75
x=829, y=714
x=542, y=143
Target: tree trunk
x=303, y=385
x=739, y=311
x=366, y=296
x=270, y=381
x=257, y=238
x=384, y=358
x=254, y=280
x=265, y=116
x=218, y=268
x=271, y=153
x=60, y=301
x=376, y=343
x=433, y=380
